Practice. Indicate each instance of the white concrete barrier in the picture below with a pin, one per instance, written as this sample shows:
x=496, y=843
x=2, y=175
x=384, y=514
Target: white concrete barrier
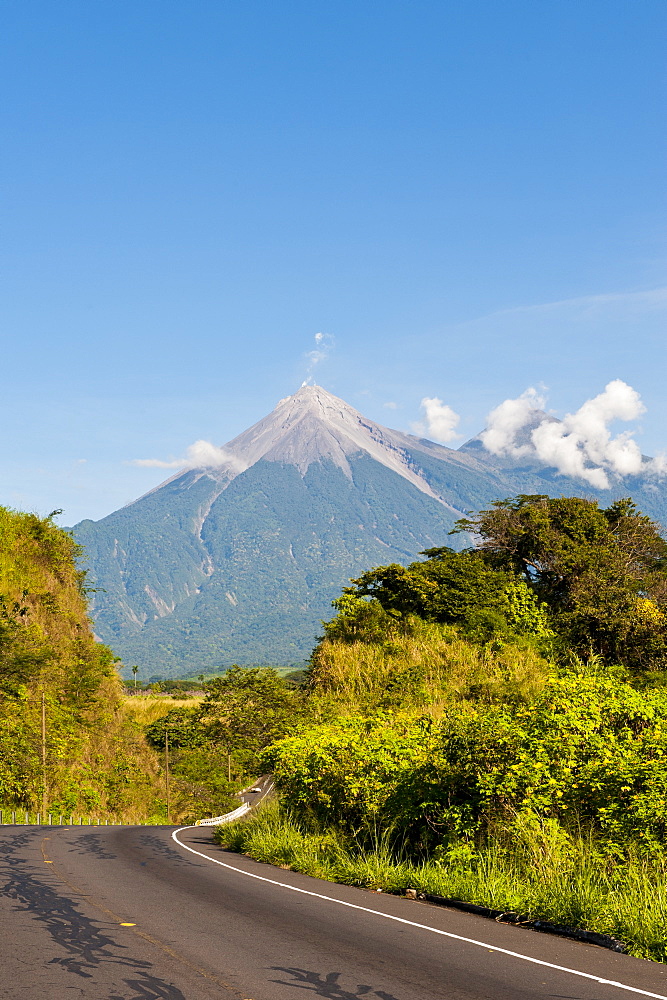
x=227, y=818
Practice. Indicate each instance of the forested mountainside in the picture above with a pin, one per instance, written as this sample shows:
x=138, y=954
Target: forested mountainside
x=92, y=760
x=238, y=563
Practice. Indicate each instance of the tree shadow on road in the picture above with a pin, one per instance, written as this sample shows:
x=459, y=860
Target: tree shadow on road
x=83, y=948
x=92, y=843
x=327, y=985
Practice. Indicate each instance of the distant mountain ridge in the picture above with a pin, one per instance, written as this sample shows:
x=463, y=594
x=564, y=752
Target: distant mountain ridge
x=239, y=562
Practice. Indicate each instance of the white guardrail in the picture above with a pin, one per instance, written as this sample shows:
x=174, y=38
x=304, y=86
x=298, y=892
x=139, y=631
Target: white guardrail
x=227, y=818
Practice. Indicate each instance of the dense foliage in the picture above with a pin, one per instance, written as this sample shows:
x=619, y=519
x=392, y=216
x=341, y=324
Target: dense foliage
x=94, y=760
x=589, y=750
x=440, y=718
x=217, y=743
x=601, y=572
x=454, y=588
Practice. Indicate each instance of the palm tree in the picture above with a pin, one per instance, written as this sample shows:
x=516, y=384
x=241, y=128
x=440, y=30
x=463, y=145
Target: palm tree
x=135, y=671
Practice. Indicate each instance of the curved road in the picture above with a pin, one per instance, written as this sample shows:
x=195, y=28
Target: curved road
x=134, y=913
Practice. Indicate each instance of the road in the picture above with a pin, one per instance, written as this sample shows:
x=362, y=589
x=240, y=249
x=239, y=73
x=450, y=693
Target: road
x=134, y=913
x=258, y=792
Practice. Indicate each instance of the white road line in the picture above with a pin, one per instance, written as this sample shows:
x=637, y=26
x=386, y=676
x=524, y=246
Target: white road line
x=412, y=923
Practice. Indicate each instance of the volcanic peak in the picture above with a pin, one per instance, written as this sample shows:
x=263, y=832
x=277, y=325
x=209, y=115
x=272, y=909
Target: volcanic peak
x=313, y=425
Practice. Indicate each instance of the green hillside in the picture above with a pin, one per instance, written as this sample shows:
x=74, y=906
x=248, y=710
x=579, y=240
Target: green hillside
x=93, y=760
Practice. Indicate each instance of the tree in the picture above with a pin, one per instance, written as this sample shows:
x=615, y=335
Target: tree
x=601, y=572
x=135, y=670
x=456, y=588
x=246, y=709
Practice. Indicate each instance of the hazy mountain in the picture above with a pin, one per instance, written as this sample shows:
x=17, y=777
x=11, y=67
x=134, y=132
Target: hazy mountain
x=239, y=562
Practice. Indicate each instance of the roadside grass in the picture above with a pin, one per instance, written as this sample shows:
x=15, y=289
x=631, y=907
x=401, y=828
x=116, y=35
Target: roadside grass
x=147, y=709
x=532, y=873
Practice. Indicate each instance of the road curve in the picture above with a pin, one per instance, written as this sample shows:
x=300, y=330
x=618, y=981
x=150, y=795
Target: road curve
x=259, y=792
x=129, y=913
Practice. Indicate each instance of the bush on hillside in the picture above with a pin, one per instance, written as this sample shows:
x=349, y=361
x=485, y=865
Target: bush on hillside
x=590, y=750
x=450, y=588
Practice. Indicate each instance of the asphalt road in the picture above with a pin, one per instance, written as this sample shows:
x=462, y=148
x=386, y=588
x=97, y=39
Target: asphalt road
x=258, y=792
x=129, y=913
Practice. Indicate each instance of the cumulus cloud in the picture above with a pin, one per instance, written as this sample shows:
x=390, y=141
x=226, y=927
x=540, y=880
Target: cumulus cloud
x=439, y=422
x=581, y=444
x=507, y=420
x=324, y=344
x=200, y=455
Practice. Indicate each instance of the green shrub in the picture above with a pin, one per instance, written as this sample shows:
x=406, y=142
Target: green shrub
x=590, y=750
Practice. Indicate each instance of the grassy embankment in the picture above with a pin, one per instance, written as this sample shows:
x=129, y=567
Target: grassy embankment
x=531, y=877
x=370, y=799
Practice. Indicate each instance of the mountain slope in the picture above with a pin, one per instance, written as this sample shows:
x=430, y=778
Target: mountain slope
x=239, y=562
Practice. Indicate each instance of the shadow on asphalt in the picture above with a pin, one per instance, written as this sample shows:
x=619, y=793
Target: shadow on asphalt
x=326, y=985
x=83, y=942
x=167, y=851
x=92, y=843
x=208, y=841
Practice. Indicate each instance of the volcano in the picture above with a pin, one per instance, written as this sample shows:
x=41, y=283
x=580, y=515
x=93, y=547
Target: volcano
x=239, y=563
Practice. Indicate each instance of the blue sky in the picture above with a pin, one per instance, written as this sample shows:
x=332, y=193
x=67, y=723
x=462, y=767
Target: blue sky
x=468, y=197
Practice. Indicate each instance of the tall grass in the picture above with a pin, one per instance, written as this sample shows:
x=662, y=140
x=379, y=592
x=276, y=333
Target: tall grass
x=429, y=666
x=147, y=709
x=538, y=872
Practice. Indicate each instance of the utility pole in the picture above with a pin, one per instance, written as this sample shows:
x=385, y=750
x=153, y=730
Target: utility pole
x=166, y=769
x=43, y=758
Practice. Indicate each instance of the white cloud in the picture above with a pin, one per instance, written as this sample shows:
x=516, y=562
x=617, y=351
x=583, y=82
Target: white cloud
x=504, y=423
x=440, y=421
x=390, y=406
x=581, y=444
x=200, y=455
